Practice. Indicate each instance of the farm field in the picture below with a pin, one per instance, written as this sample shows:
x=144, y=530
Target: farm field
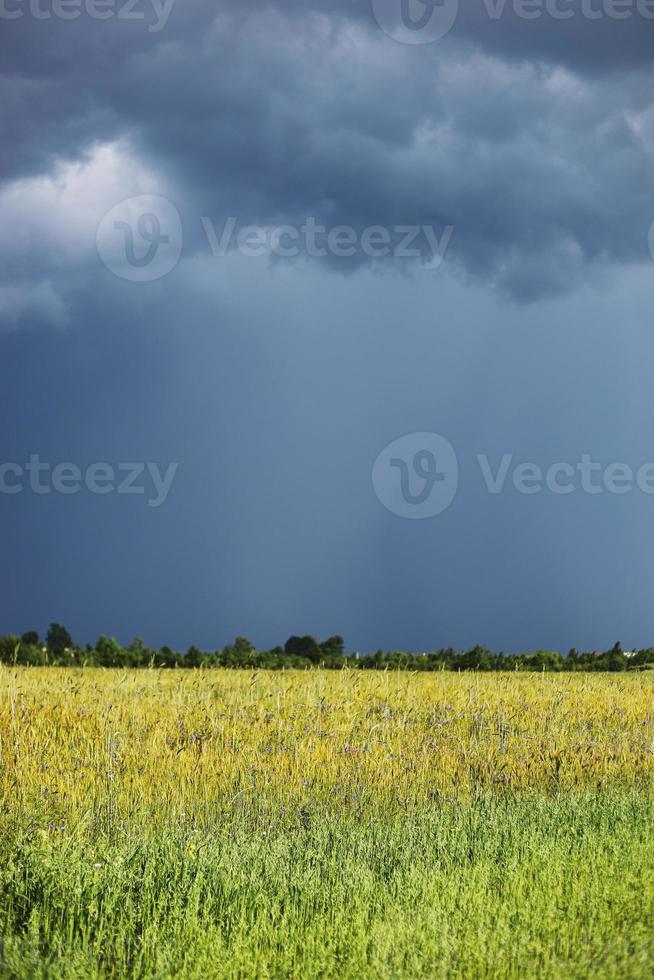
x=325, y=824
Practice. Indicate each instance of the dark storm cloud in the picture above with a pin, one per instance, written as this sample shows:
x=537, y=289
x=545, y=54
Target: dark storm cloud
x=508, y=129
x=590, y=35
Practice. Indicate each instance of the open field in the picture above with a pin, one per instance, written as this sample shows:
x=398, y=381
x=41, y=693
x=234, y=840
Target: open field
x=230, y=824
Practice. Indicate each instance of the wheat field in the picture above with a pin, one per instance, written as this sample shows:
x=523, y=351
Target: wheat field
x=325, y=824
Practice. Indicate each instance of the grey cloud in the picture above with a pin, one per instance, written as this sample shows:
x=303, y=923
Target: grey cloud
x=275, y=112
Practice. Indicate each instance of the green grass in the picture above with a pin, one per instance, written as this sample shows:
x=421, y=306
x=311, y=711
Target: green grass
x=531, y=886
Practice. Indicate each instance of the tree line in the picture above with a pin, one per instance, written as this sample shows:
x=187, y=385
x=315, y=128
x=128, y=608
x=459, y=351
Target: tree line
x=301, y=652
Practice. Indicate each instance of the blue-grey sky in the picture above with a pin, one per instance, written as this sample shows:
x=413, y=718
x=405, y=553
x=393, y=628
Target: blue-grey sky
x=515, y=148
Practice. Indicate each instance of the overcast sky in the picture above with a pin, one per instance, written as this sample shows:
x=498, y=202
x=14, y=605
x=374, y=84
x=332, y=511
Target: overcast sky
x=340, y=314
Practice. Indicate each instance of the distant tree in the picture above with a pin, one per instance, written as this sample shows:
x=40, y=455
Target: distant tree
x=58, y=639
x=398, y=660
x=479, y=658
x=9, y=649
x=615, y=659
x=303, y=646
x=166, y=657
x=30, y=639
x=139, y=654
x=644, y=657
x=333, y=647
x=243, y=646
x=109, y=653
x=194, y=658
x=545, y=660
x=240, y=653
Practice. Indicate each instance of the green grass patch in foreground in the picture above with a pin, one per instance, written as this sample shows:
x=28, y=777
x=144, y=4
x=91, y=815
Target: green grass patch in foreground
x=531, y=887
